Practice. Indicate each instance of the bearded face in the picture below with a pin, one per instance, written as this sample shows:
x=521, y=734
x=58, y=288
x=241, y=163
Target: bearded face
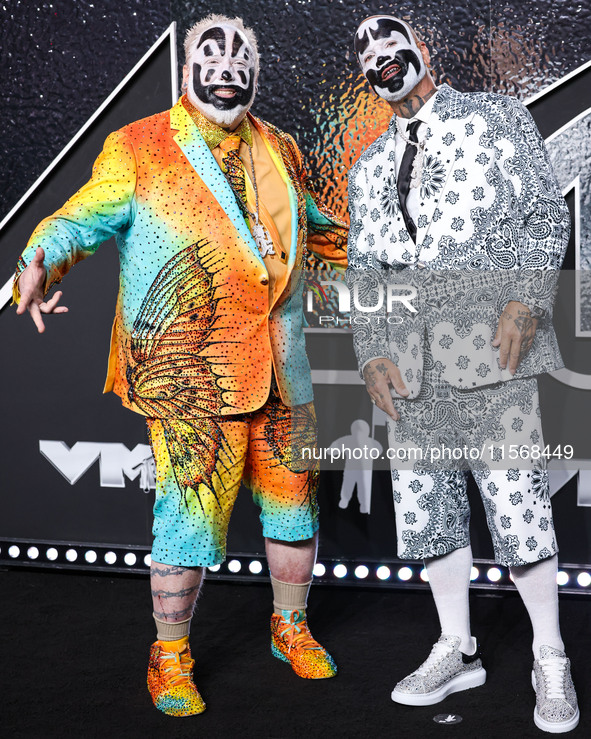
x=221, y=75
x=389, y=57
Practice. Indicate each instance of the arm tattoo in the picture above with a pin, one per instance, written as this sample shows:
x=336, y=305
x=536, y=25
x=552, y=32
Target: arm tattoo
x=527, y=328
x=369, y=375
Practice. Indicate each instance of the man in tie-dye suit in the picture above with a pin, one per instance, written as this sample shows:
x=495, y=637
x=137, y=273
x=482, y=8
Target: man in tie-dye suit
x=212, y=214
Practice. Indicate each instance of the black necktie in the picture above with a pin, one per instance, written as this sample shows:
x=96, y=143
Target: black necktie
x=404, y=176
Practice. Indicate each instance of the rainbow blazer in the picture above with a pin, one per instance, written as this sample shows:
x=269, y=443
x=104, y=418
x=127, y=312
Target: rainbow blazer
x=194, y=332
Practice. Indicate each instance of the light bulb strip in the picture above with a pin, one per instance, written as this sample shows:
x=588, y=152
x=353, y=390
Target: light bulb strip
x=486, y=575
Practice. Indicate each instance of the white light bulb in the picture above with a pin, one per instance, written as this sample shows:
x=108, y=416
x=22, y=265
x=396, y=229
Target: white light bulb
x=110, y=558
x=562, y=578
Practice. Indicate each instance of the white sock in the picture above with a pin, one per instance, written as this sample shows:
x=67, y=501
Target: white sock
x=536, y=584
x=449, y=578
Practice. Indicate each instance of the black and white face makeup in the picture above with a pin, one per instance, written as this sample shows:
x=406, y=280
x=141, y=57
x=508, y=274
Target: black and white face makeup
x=221, y=75
x=389, y=57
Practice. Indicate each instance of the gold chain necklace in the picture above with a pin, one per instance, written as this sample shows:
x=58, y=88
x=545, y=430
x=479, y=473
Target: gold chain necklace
x=259, y=232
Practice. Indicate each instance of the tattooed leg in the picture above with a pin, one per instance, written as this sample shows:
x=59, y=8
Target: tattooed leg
x=174, y=590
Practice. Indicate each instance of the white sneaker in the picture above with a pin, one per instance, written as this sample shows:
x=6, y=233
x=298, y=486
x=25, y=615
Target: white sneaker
x=446, y=670
x=556, y=708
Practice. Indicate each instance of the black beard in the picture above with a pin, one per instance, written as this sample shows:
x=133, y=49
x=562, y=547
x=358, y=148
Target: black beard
x=207, y=95
x=404, y=59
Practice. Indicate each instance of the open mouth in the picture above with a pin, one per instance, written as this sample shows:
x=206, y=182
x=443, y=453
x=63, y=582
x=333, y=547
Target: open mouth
x=390, y=71
x=224, y=92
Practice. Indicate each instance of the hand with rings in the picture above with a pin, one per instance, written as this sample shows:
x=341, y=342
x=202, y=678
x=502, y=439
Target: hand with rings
x=380, y=376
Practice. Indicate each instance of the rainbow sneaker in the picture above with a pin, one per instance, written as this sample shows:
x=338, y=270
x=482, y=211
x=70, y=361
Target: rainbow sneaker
x=292, y=642
x=170, y=679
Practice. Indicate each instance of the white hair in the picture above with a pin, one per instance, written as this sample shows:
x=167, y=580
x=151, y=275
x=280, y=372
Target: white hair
x=214, y=19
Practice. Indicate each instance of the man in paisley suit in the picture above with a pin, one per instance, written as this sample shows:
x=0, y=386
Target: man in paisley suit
x=456, y=206
x=212, y=213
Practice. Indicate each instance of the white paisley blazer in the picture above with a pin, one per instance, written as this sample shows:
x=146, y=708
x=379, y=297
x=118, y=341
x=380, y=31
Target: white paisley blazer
x=492, y=227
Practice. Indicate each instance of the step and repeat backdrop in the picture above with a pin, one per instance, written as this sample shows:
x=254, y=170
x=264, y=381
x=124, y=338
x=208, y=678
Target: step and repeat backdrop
x=76, y=469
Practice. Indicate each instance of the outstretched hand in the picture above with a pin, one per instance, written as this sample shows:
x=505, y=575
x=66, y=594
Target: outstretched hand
x=381, y=376
x=30, y=284
x=515, y=334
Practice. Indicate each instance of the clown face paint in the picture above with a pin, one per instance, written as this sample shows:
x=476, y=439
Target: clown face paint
x=389, y=57
x=222, y=75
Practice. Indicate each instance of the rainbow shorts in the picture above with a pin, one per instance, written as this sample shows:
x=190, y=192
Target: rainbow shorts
x=200, y=464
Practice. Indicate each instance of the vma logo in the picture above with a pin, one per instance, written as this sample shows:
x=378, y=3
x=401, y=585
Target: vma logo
x=116, y=462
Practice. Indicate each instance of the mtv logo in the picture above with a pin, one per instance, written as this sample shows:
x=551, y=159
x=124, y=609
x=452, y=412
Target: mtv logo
x=116, y=462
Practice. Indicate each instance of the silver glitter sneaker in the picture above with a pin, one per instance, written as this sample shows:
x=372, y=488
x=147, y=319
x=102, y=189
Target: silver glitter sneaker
x=446, y=670
x=556, y=708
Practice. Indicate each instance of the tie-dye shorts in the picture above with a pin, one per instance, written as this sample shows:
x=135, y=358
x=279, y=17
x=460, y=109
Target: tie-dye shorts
x=200, y=464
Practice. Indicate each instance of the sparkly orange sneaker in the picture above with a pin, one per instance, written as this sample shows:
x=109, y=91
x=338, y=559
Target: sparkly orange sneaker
x=170, y=679
x=292, y=642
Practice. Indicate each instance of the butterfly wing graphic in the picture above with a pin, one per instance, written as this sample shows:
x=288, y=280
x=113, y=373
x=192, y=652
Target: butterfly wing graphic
x=287, y=435
x=172, y=377
x=190, y=445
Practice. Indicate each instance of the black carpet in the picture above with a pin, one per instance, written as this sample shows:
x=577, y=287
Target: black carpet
x=76, y=646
